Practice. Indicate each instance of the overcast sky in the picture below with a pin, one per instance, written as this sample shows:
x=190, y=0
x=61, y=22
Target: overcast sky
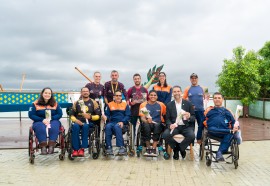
x=46, y=40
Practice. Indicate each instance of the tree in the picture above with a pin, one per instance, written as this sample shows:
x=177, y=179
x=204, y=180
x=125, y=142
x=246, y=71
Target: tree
x=264, y=69
x=240, y=76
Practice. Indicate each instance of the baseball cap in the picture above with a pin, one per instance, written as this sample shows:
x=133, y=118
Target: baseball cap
x=193, y=75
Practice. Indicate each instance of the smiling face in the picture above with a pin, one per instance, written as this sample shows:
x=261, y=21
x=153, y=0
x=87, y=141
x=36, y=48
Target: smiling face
x=114, y=77
x=47, y=94
x=162, y=78
x=117, y=97
x=153, y=97
x=85, y=92
x=194, y=81
x=97, y=77
x=137, y=80
x=218, y=100
x=177, y=93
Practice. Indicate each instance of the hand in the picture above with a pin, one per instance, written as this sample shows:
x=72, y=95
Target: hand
x=78, y=122
x=86, y=115
x=121, y=124
x=46, y=121
x=104, y=118
x=149, y=120
x=173, y=126
x=186, y=115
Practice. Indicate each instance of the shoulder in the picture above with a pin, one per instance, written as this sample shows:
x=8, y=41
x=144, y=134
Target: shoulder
x=208, y=109
x=143, y=104
x=107, y=83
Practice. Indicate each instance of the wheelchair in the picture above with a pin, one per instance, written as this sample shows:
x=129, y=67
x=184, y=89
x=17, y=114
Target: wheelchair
x=209, y=147
x=127, y=132
x=33, y=144
x=162, y=147
x=93, y=142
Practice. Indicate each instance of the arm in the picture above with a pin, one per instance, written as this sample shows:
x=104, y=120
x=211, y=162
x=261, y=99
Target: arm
x=127, y=115
x=169, y=96
x=58, y=114
x=33, y=114
x=185, y=94
x=168, y=117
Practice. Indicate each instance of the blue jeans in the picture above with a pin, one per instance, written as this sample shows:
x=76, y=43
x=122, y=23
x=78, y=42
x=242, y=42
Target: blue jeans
x=110, y=129
x=226, y=138
x=75, y=135
x=40, y=130
x=200, y=118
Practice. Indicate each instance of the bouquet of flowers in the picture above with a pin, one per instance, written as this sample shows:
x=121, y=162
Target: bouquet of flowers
x=146, y=112
x=206, y=98
x=180, y=117
x=237, y=134
x=83, y=108
x=48, y=116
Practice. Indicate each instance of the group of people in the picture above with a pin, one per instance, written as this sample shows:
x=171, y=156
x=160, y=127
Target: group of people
x=163, y=110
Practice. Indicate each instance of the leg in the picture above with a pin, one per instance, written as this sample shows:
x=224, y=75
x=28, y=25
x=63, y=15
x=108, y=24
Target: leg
x=119, y=135
x=225, y=143
x=75, y=136
x=85, y=134
x=40, y=130
x=200, y=118
x=54, y=130
x=156, y=134
x=189, y=135
x=108, y=134
x=146, y=133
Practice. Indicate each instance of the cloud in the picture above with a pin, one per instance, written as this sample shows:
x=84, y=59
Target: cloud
x=47, y=39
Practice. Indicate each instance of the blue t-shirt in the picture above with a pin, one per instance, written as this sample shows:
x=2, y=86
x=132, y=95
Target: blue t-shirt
x=195, y=95
x=154, y=111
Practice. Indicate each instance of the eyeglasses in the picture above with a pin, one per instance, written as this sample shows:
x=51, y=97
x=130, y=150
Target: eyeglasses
x=117, y=95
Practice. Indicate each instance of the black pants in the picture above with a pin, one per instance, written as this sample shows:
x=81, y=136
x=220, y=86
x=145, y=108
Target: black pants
x=187, y=132
x=148, y=128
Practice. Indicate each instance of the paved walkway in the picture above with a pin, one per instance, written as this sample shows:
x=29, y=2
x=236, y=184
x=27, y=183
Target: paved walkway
x=254, y=169
x=254, y=164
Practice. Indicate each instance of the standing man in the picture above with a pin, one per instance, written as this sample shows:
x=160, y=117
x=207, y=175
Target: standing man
x=96, y=93
x=83, y=113
x=112, y=86
x=117, y=114
x=136, y=95
x=95, y=88
x=179, y=117
x=195, y=94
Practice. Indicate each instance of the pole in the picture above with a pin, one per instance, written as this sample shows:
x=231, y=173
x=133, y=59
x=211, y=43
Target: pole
x=84, y=75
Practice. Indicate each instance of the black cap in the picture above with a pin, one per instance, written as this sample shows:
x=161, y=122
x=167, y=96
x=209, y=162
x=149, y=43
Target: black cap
x=193, y=75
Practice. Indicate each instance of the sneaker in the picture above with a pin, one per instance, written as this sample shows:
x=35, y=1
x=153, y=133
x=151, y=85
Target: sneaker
x=81, y=153
x=147, y=152
x=175, y=154
x=109, y=150
x=154, y=152
x=43, y=150
x=75, y=153
x=220, y=156
x=183, y=154
x=122, y=150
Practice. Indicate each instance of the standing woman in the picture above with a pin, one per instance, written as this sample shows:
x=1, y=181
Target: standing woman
x=37, y=112
x=164, y=91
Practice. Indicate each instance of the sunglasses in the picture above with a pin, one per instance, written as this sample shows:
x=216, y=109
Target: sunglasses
x=117, y=95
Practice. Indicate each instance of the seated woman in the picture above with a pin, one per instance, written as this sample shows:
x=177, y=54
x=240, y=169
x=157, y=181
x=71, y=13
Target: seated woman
x=152, y=113
x=43, y=126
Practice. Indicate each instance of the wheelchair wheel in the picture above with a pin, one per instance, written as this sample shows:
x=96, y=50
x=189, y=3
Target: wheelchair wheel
x=208, y=162
x=68, y=145
x=235, y=153
x=166, y=156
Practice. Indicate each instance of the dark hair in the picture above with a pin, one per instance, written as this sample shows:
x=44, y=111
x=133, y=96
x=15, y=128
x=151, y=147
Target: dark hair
x=83, y=88
x=152, y=91
x=114, y=71
x=165, y=82
x=177, y=86
x=41, y=100
x=116, y=92
x=136, y=75
x=218, y=93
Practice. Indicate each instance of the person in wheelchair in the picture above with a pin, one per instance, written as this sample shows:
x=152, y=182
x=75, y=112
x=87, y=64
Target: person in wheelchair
x=46, y=113
x=117, y=115
x=152, y=115
x=220, y=123
x=179, y=119
x=83, y=113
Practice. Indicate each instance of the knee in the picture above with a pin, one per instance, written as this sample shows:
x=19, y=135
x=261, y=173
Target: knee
x=75, y=127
